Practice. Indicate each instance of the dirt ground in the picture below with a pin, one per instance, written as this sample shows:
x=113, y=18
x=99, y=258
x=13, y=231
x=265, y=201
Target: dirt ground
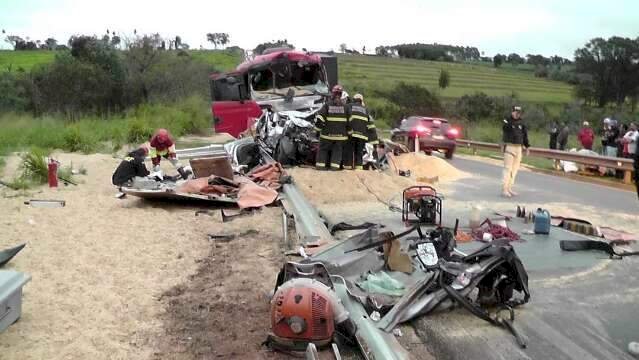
x=128, y=279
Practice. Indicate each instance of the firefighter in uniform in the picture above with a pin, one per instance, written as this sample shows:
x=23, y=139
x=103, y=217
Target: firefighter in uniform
x=359, y=122
x=332, y=124
x=515, y=141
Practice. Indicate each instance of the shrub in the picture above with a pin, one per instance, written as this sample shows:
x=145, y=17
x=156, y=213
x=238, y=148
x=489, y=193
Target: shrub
x=475, y=107
x=541, y=71
x=34, y=166
x=138, y=131
x=415, y=100
x=77, y=140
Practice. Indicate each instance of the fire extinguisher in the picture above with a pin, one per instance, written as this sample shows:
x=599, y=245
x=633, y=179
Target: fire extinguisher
x=53, y=173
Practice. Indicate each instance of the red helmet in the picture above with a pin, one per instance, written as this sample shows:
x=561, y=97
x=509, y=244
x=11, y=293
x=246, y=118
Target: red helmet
x=337, y=89
x=161, y=139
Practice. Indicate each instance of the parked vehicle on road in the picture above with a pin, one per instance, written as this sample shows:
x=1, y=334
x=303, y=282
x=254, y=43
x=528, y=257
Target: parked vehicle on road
x=432, y=134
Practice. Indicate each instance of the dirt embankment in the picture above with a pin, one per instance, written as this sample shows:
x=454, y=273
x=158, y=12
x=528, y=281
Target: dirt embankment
x=102, y=270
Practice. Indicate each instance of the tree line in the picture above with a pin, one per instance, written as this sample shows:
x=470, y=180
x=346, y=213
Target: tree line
x=94, y=76
x=433, y=52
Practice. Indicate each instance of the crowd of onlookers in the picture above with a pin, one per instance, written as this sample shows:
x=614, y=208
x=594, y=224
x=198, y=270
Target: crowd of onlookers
x=617, y=140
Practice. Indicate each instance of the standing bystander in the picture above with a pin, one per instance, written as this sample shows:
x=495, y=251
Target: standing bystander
x=586, y=136
x=515, y=141
x=562, y=138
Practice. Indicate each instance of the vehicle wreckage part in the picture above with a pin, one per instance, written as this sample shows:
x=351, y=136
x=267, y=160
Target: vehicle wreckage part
x=576, y=245
x=8, y=254
x=46, y=203
x=11, y=283
x=374, y=343
x=338, y=356
x=311, y=352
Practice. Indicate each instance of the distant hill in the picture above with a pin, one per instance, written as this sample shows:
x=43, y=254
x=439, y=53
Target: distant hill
x=361, y=73
x=24, y=59
x=221, y=59
x=365, y=73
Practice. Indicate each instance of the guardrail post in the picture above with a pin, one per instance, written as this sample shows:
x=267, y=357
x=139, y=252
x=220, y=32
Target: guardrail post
x=474, y=150
x=627, y=177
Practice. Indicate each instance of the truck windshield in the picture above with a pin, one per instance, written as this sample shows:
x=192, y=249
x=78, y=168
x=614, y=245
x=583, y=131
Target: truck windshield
x=278, y=80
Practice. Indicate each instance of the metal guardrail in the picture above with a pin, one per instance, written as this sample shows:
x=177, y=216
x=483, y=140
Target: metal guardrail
x=626, y=165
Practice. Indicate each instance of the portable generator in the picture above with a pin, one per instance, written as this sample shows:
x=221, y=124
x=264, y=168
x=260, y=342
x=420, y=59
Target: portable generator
x=421, y=205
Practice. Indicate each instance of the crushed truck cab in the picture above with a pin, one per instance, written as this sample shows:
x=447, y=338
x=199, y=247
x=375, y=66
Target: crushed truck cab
x=278, y=80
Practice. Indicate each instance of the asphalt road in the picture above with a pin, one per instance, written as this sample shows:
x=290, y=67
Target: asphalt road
x=541, y=188
x=592, y=313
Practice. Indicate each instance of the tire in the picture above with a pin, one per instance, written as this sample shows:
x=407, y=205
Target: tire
x=285, y=151
x=450, y=153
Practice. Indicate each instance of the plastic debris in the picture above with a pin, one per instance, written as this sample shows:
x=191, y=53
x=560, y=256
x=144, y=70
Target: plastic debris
x=382, y=283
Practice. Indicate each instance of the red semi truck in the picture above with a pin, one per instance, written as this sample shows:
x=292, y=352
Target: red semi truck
x=280, y=80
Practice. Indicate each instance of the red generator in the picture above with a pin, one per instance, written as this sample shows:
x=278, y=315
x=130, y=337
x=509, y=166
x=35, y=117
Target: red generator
x=421, y=205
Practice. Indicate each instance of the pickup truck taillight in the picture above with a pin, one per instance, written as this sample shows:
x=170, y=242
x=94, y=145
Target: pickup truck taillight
x=452, y=133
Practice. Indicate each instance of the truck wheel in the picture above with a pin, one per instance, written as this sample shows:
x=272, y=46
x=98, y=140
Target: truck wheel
x=449, y=154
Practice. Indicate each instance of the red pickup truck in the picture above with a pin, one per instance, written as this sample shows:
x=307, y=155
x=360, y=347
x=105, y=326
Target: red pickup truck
x=278, y=80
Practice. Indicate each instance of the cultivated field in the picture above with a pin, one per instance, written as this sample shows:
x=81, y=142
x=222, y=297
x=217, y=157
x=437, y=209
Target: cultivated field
x=14, y=60
x=221, y=59
x=371, y=72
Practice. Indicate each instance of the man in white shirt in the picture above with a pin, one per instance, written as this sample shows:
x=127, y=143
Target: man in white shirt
x=631, y=138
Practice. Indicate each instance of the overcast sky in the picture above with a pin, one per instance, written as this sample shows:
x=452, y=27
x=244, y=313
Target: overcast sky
x=531, y=26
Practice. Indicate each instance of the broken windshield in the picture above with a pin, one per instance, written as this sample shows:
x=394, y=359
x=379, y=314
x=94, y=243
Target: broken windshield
x=283, y=79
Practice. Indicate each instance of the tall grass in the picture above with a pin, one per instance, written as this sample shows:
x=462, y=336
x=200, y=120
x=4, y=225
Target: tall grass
x=95, y=134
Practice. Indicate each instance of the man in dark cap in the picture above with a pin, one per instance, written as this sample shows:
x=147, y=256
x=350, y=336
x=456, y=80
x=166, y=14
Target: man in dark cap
x=515, y=141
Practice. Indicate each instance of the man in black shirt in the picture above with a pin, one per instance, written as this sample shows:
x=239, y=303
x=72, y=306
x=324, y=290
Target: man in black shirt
x=515, y=141
x=130, y=167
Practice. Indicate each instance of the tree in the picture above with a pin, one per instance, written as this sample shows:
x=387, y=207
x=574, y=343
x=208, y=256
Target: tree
x=444, y=79
x=15, y=41
x=218, y=38
x=476, y=106
x=414, y=99
x=613, y=65
x=51, y=43
x=498, y=60
x=115, y=40
x=381, y=51
x=537, y=60
x=259, y=49
x=342, y=48
x=514, y=59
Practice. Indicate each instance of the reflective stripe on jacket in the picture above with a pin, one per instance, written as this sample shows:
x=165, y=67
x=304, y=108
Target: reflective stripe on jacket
x=332, y=121
x=359, y=121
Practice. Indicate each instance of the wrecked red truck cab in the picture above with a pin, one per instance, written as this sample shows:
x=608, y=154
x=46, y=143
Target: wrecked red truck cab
x=280, y=79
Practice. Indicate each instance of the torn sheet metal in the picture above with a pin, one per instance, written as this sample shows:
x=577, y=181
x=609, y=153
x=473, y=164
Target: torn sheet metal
x=167, y=194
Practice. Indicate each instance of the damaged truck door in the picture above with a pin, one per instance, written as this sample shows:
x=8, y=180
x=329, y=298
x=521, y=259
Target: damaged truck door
x=232, y=108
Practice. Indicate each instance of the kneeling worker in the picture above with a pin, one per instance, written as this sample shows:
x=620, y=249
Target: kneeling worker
x=161, y=146
x=332, y=123
x=130, y=167
x=359, y=122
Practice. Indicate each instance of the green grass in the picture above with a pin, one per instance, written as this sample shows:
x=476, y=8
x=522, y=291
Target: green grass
x=223, y=60
x=15, y=60
x=94, y=134
x=360, y=73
